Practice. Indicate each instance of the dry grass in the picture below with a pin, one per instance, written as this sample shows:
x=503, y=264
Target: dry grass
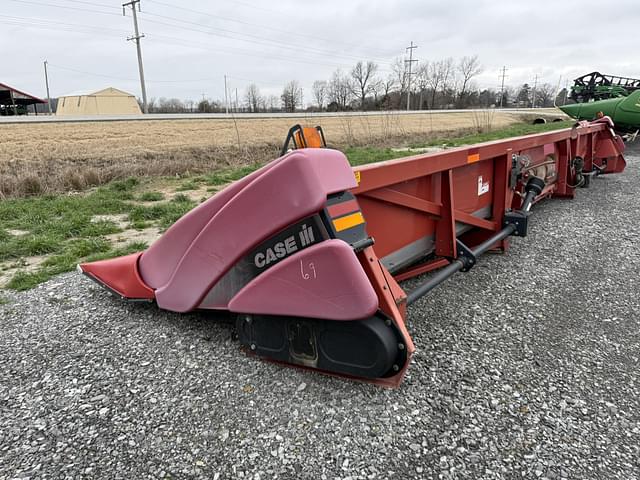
x=53, y=157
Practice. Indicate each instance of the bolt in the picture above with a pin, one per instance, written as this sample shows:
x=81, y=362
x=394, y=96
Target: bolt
x=387, y=322
x=253, y=346
x=396, y=368
x=247, y=319
x=401, y=346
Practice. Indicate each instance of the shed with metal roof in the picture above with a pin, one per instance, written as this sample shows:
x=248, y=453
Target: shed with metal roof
x=16, y=102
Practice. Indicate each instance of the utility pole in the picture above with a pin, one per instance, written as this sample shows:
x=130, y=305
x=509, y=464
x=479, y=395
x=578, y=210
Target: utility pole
x=535, y=84
x=137, y=38
x=226, y=96
x=236, y=100
x=504, y=74
x=410, y=62
x=46, y=81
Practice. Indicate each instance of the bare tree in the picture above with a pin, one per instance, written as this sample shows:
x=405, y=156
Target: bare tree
x=291, y=96
x=468, y=67
x=422, y=81
x=363, y=76
x=319, y=89
x=340, y=90
x=434, y=80
x=385, y=87
x=544, y=95
x=441, y=78
x=399, y=71
x=170, y=105
x=252, y=97
x=272, y=103
x=448, y=78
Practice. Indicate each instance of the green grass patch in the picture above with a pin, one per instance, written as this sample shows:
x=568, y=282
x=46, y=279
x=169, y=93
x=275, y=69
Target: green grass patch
x=124, y=185
x=58, y=264
x=230, y=175
x=188, y=185
x=363, y=155
x=516, y=130
x=164, y=214
x=61, y=227
x=151, y=197
x=3, y=301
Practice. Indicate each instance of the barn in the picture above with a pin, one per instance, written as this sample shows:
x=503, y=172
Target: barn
x=16, y=102
x=108, y=101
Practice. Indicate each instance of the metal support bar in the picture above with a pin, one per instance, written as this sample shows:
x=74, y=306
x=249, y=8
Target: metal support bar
x=457, y=265
x=466, y=258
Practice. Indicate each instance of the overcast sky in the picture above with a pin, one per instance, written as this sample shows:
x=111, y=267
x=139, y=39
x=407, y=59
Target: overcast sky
x=190, y=45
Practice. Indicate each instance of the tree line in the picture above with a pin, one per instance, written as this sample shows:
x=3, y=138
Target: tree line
x=442, y=84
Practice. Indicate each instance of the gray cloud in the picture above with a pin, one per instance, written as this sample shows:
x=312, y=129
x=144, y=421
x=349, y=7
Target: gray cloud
x=186, y=53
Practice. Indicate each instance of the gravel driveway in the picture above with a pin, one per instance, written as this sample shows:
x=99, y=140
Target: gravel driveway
x=527, y=367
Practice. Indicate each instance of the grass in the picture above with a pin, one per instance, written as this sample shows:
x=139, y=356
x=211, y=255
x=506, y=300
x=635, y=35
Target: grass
x=151, y=196
x=507, y=132
x=58, y=264
x=363, y=155
x=230, y=175
x=64, y=228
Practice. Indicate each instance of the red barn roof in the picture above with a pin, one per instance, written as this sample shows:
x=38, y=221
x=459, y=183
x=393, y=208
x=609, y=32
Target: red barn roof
x=19, y=97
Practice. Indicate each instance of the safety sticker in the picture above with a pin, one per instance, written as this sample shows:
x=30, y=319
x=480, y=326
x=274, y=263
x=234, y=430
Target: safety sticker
x=357, y=175
x=483, y=187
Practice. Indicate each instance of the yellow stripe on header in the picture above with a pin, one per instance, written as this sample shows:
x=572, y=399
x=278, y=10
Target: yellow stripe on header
x=348, y=221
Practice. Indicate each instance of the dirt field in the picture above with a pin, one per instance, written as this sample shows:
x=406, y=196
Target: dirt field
x=36, y=158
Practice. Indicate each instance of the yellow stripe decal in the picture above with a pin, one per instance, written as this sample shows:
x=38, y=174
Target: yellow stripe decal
x=348, y=221
x=357, y=175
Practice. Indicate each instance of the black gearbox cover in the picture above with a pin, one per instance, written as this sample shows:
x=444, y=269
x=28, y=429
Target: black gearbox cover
x=369, y=348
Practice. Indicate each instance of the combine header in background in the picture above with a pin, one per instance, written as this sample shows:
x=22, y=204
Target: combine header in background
x=597, y=86
x=624, y=111
x=308, y=253
x=616, y=97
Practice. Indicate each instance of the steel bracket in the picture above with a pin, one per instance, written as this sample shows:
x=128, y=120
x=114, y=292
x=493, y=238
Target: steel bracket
x=465, y=255
x=519, y=220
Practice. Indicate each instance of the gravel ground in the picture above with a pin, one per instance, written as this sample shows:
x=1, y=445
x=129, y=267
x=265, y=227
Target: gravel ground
x=527, y=367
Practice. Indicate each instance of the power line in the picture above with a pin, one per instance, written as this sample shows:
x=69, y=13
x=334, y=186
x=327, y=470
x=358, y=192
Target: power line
x=410, y=62
x=30, y=2
x=76, y=28
x=93, y=4
x=136, y=37
x=318, y=52
x=259, y=38
x=504, y=71
x=27, y=20
x=91, y=73
x=266, y=27
x=254, y=39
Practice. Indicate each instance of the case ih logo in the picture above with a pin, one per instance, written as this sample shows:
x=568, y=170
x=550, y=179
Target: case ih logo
x=285, y=247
